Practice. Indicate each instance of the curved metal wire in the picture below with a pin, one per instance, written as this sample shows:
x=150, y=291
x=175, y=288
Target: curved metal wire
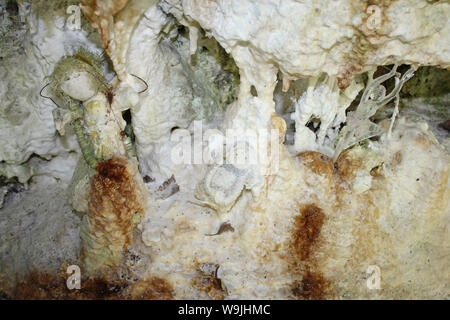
x=40, y=93
x=146, y=85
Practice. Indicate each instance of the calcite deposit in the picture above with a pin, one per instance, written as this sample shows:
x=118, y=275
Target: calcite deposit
x=225, y=149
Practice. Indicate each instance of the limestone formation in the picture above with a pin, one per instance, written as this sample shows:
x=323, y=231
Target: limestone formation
x=226, y=149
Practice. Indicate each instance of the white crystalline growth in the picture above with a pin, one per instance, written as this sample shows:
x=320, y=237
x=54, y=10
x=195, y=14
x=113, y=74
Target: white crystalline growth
x=359, y=127
x=78, y=86
x=341, y=38
x=26, y=121
x=322, y=101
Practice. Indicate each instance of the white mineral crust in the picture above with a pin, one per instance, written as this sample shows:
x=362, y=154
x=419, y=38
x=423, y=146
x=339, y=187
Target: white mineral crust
x=386, y=204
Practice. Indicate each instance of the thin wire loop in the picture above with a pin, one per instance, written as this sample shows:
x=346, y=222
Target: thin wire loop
x=146, y=85
x=40, y=93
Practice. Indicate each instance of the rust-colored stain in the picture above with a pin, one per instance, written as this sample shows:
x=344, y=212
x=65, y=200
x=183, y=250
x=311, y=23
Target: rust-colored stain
x=112, y=170
x=318, y=163
x=423, y=141
x=114, y=200
x=349, y=163
x=45, y=286
x=209, y=282
x=313, y=286
x=305, y=238
x=347, y=75
x=347, y=166
x=307, y=228
x=211, y=285
x=365, y=40
x=153, y=289
x=101, y=15
x=376, y=172
x=115, y=190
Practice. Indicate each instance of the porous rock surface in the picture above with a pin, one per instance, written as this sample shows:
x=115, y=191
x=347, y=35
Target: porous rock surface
x=311, y=228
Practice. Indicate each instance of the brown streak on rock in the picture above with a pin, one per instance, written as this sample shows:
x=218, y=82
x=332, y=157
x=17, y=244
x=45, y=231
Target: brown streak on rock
x=366, y=40
x=114, y=201
x=101, y=15
x=347, y=166
x=319, y=163
x=153, y=289
x=307, y=228
x=45, y=286
x=306, y=233
x=312, y=286
x=208, y=282
x=114, y=184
